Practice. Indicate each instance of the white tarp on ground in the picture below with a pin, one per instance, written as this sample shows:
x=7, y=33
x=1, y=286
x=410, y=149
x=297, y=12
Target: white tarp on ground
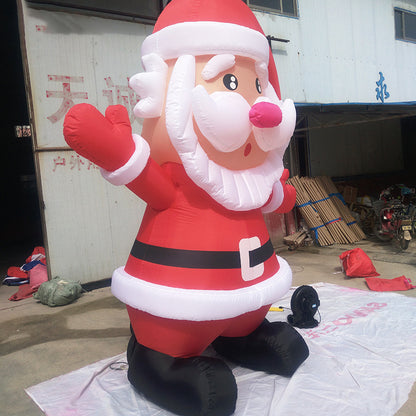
x=362, y=362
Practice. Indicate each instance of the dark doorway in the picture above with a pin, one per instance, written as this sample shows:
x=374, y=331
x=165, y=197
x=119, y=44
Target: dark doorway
x=20, y=227
x=409, y=147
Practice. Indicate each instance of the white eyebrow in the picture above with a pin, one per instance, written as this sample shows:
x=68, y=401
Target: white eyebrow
x=263, y=74
x=216, y=65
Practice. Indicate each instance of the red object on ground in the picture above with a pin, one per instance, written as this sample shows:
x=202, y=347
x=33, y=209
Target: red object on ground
x=36, y=275
x=385, y=285
x=25, y=291
x=356, y=263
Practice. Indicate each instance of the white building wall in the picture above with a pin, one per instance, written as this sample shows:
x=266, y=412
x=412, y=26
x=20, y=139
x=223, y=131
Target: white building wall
x=337, y=49
x=90, y=225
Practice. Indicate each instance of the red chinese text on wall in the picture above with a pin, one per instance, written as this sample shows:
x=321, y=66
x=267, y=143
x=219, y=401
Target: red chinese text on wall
x=121, y=94
x=75, y=162
x=66, y=96
x=115, y=94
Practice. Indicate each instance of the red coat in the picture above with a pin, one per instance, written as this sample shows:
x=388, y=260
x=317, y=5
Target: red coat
x=191, y=259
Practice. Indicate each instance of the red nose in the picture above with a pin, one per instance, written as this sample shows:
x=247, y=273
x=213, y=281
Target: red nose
x=265, y=114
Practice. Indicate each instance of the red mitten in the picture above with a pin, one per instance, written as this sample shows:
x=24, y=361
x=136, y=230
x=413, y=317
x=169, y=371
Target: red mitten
x=289, y=197
x=285, y=176
x=283, y=198
x=106, y=141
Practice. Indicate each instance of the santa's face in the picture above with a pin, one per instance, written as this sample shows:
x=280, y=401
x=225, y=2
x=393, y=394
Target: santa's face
x=217, y=121
x=242, y=80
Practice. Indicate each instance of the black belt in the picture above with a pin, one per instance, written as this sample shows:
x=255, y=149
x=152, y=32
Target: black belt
x=198, y=259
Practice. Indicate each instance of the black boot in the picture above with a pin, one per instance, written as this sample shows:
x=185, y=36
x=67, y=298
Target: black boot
x=274, y=347
x=196, y=386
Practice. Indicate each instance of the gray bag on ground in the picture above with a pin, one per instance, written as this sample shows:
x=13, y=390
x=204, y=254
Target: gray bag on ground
x=58, y=292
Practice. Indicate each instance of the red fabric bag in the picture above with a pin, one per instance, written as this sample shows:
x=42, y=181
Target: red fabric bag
x=356, y=263
x=384, y=285
x=24, y=291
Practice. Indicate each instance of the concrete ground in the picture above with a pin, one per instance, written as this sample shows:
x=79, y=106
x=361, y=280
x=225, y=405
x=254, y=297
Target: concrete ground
x=38, y=343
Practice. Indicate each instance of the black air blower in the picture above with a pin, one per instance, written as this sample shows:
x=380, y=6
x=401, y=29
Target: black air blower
x=304, y=304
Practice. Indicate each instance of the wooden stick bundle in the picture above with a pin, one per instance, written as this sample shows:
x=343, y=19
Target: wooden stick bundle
x=310, y=214
x=343, y=209
x=314, y=200
x=329, y=213
x=295, y=240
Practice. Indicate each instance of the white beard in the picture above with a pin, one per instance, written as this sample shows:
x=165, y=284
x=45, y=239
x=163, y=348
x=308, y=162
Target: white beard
x=235, y=190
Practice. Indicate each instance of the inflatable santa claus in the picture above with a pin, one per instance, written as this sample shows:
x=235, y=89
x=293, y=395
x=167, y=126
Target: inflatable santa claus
x=202, y=270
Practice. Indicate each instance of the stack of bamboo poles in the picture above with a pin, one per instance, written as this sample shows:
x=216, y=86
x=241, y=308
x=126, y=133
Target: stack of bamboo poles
x=343, y=209
x=329, y=213
x=310, y=214
x=321, y=212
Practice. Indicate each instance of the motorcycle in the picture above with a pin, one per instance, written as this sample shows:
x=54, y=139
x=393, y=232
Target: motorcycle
x=394, y=217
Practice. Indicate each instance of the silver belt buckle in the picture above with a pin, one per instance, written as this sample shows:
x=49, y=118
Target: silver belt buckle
x=245, y=246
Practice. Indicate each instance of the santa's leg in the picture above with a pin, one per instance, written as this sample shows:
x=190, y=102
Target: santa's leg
x=274, y=347
x=188, y=385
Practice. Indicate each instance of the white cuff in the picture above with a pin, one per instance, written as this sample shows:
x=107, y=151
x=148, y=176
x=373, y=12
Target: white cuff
x=277, y=199
x=134, y=166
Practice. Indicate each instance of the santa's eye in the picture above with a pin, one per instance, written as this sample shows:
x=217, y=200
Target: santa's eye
x=258, y=86
x=230, y=81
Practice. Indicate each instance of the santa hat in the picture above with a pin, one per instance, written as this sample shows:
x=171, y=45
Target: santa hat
x=210, y=27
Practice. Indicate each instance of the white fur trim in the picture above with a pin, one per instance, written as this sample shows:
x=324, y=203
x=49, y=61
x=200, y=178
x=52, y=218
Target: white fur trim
x=207, y=38
x=277, y=199
x=134, y=166
x=199, y=305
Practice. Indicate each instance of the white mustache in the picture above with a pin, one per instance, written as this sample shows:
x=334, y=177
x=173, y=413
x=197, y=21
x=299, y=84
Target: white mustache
x=223, y=118
x=279, y=136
